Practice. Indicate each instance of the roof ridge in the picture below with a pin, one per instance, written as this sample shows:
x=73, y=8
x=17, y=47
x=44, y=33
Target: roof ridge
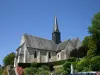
x=67, y=43
x=38, y=37
x=72, y=43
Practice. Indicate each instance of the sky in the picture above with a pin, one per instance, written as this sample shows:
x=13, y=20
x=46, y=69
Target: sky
x=36, y=17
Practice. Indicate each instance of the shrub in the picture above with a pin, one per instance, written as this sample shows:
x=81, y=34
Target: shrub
x=30, y=71
x=66, y=66
x=45, y=67
x=59, y=70
x=72, y=59
x=95, y=63
x=82, y=64
x=34, y=64
x=44, y=72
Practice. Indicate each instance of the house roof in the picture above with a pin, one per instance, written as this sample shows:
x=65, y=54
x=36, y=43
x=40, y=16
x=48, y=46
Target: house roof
x=39, y=43
x=45, y=44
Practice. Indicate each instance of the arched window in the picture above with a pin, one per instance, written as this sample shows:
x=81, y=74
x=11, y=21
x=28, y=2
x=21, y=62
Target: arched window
x=49, y=55
x=35, y=54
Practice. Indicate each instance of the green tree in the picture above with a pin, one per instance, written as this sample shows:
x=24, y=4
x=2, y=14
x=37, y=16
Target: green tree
x=82, y=51
x=92, y=48
x=85, y=42
x=94, y=30
x=9, y=59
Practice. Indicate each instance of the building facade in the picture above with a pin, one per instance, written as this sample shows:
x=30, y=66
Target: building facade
x=40, y=50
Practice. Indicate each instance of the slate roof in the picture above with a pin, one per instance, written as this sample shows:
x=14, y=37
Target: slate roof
x=45, y=44
x=39, y=43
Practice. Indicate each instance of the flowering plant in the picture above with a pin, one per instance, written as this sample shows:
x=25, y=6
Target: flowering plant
x=20, y=70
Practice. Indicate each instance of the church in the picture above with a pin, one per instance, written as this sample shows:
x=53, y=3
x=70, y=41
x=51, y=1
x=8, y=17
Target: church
x=41, y=50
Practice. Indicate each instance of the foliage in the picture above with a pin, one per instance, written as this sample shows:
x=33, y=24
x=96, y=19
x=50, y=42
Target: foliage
x=50, y=64
x=34, y=64
x=64, y=73
x=1, y=71
x=85, y=42
x=9, y=59
x=82, y=64
x=45, y=67
x=92, y=48
x=59, y=71
x=79, y=53
x=86, y=69
x=66, y=66
x=95, y=63
x=30, y=71
x=94, y=30
x=74, y=53
x=41, y=71
x=82, y=51
x=44, y=72
x=72, y=59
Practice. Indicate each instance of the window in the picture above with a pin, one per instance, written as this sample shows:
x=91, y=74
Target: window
x=58, y=55
x=35, y=54
x=49, y=55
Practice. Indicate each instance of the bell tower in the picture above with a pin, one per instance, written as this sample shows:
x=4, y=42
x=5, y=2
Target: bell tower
x=56, y=33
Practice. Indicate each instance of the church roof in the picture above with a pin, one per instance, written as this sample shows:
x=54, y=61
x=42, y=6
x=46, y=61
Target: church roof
x=39, y=43
x=45, y=44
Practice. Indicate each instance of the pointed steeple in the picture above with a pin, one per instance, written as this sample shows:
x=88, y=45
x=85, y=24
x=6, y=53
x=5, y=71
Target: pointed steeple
x=56, y=33
x=55, y=29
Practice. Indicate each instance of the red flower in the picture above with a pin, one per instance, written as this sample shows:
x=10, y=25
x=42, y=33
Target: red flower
x=20, y=70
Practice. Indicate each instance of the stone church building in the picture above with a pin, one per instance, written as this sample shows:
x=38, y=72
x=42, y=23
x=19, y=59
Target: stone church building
x=40, y=50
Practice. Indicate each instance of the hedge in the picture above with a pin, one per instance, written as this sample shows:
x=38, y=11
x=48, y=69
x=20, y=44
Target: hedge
x=25, y=65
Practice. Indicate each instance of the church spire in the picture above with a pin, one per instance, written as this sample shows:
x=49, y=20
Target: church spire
x=56, y=29
x=56, y=33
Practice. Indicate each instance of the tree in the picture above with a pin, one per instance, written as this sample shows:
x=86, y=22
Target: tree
x=92, y=48
x=9, y=59
x=74, y=53
x=94, y=30
x=82, y=51
x=85, y=42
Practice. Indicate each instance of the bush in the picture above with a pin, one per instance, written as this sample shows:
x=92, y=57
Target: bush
x=30, y=71
x=95, y=63
x=34, y=64
x=59, y=70
x=45, y=67
x=72, y=59
x=82, y=64
x=44, y=72
x=66, y=66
